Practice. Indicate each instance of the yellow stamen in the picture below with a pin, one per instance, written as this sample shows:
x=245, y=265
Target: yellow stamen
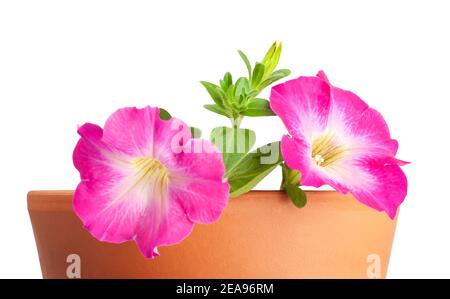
x=327, y=149
x=150, y=171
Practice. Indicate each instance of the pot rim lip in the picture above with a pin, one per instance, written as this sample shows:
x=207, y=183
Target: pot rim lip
x=59, y=192
x=50, y=194
x=51, y=200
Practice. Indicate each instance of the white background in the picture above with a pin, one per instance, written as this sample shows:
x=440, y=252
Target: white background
x=63, y=63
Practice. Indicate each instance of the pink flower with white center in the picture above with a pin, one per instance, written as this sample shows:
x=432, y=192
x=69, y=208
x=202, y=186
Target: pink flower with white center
x=338, y=140
x=145, y=179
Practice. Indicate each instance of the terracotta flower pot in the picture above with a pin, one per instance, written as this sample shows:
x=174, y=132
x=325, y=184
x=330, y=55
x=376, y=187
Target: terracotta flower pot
x=260, y=235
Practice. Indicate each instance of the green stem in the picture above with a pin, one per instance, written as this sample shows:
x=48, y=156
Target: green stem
x=236, y=122
x=284, y=173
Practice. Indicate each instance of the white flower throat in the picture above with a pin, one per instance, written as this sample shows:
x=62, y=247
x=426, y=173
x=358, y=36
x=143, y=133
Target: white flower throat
x=150, y=173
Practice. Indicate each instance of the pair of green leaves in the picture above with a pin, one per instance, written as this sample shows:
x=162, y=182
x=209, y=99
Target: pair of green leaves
x=244, y=169
x=234, y=143
x=238, y=99
x=252, y=169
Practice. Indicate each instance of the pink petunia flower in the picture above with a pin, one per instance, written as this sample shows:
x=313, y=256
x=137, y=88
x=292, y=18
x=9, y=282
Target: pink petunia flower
x=145, y=179
x=338, y=140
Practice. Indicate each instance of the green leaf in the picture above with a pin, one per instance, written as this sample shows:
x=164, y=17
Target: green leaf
x=269, y=54
x=215, y=92
x=164, y=114
x=242, y=87
x=258, y=74
x=290, y=177
x=217, y=109
x=252, y=93
x=297, y=195
x=228, y=79
x=196, y=132
x=230, y=93
x=234, y=143
x=223, y=85
x=253, y=168
x=275, y=76
x=281, y=73
x=258, y=107
x=274, y=59
x=247, y=64
x=290, y=183
x=226, y=82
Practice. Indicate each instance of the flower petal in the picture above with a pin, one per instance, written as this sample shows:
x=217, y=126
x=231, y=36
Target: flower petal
x=142, y=133
x=321, y=74
x=100, y=170
x=156, y=229
x=131, y=130
x=198, y=184
x=376, y=184
x=364, y=128
x=197, y=195
x=303, y=105
x=370, y=133
x=297, y=155
x=384, y=190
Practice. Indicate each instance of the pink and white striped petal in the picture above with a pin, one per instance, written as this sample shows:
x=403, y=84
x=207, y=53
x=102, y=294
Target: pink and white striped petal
x=131, y=174
x=341, y=142
x=303, y=105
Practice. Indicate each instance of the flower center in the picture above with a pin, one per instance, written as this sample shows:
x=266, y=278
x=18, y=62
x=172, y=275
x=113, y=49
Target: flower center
x=150, y=173
x=318, y=159
x=326, y=149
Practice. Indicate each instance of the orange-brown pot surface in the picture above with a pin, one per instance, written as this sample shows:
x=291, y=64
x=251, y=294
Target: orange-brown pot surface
x=260, y=235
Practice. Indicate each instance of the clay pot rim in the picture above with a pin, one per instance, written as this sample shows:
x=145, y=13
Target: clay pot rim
x=61, y=200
